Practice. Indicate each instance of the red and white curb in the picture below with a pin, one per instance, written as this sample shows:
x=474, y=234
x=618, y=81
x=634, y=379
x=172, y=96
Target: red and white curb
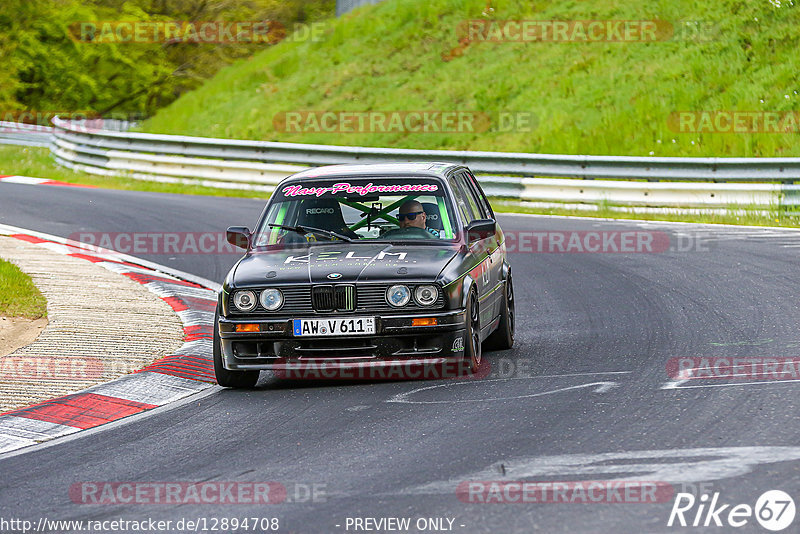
x=173, y=377
x=27, y=180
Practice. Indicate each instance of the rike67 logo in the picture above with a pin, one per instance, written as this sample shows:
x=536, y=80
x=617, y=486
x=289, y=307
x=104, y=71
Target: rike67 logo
x=774, y=510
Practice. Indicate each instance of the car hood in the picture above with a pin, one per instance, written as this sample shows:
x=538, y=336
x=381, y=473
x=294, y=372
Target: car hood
x=343, y=262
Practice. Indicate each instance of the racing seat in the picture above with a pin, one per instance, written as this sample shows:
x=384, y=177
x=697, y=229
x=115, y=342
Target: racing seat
x=434, y=219
x=325, y=214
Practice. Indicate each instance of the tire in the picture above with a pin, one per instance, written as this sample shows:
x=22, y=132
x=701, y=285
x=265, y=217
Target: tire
x=503, y=337
x=472, y=346
x=226, y=378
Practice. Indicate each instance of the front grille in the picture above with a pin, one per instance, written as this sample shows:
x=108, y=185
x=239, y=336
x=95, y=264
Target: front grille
x=345, y=298
x=329, y=349
x=333, y=298
x=322, y=298
x=327, y=298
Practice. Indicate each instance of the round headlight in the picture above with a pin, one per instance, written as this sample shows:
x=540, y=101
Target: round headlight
x=271, y=299
x=426, y=295
x=244, y=300
x=398, y=296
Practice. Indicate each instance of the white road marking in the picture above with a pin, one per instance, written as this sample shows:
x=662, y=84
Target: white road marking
x=24, y=180
x=673, y=384
x=689, y=466
x=601, y=387
x=762, y=383
x=678, y=383
x=582, y=374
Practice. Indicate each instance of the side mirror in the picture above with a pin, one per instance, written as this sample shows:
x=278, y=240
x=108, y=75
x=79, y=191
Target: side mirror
x=480, y=229
x=238, y=236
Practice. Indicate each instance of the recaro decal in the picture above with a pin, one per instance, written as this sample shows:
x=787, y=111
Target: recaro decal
x=316, y=211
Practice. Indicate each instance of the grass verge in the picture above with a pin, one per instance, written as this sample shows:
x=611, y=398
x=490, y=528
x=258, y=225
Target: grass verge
x=37, y=162
x=581, y=96
x=18, y=296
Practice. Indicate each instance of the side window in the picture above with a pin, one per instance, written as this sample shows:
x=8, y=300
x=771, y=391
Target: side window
x=483, y=204
x=474, y=211
x=460, y=200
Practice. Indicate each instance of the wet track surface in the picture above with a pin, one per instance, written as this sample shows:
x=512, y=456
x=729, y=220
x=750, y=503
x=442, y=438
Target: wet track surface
x=584, y=395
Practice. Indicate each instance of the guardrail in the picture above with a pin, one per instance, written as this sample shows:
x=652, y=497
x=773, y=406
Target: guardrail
x=668, y=182
x=650, y=168
x=14, y=133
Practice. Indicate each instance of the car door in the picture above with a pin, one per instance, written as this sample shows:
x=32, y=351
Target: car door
x=481, y=251
x=492, y=246
x=497, y=250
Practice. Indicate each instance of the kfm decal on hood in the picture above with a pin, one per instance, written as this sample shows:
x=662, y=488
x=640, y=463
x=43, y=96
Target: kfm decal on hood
x=345, y=187
x=329, y=255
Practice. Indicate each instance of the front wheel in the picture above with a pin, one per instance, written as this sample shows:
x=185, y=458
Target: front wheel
x=472, y=336
x=226, y=378
x=503, y=337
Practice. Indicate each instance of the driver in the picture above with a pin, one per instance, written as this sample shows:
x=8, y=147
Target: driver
x=411, y=217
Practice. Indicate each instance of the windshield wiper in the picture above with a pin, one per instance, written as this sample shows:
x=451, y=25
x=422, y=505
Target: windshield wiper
x=310, y=229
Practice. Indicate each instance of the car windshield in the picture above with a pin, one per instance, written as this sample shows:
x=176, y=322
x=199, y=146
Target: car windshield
x=376, y=209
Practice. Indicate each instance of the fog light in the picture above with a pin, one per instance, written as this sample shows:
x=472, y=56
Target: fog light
x=248, y=327
x=424, y=321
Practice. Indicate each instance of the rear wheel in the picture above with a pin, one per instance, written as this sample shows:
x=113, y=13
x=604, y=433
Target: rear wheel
x=226, y=378
x=503, y=337
x=472, y=350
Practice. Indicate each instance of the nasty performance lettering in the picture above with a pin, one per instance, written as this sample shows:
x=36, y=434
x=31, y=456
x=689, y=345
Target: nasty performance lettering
x=345, y=187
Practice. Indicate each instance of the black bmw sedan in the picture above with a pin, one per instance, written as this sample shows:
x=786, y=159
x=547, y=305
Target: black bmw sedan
x=360, y=268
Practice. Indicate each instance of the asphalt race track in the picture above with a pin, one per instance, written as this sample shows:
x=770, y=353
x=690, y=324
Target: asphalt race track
x=584, y=395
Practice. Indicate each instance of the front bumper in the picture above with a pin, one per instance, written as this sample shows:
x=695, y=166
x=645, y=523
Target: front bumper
x=395, y=343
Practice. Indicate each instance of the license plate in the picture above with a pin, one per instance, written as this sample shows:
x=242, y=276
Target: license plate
x=333, y=326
